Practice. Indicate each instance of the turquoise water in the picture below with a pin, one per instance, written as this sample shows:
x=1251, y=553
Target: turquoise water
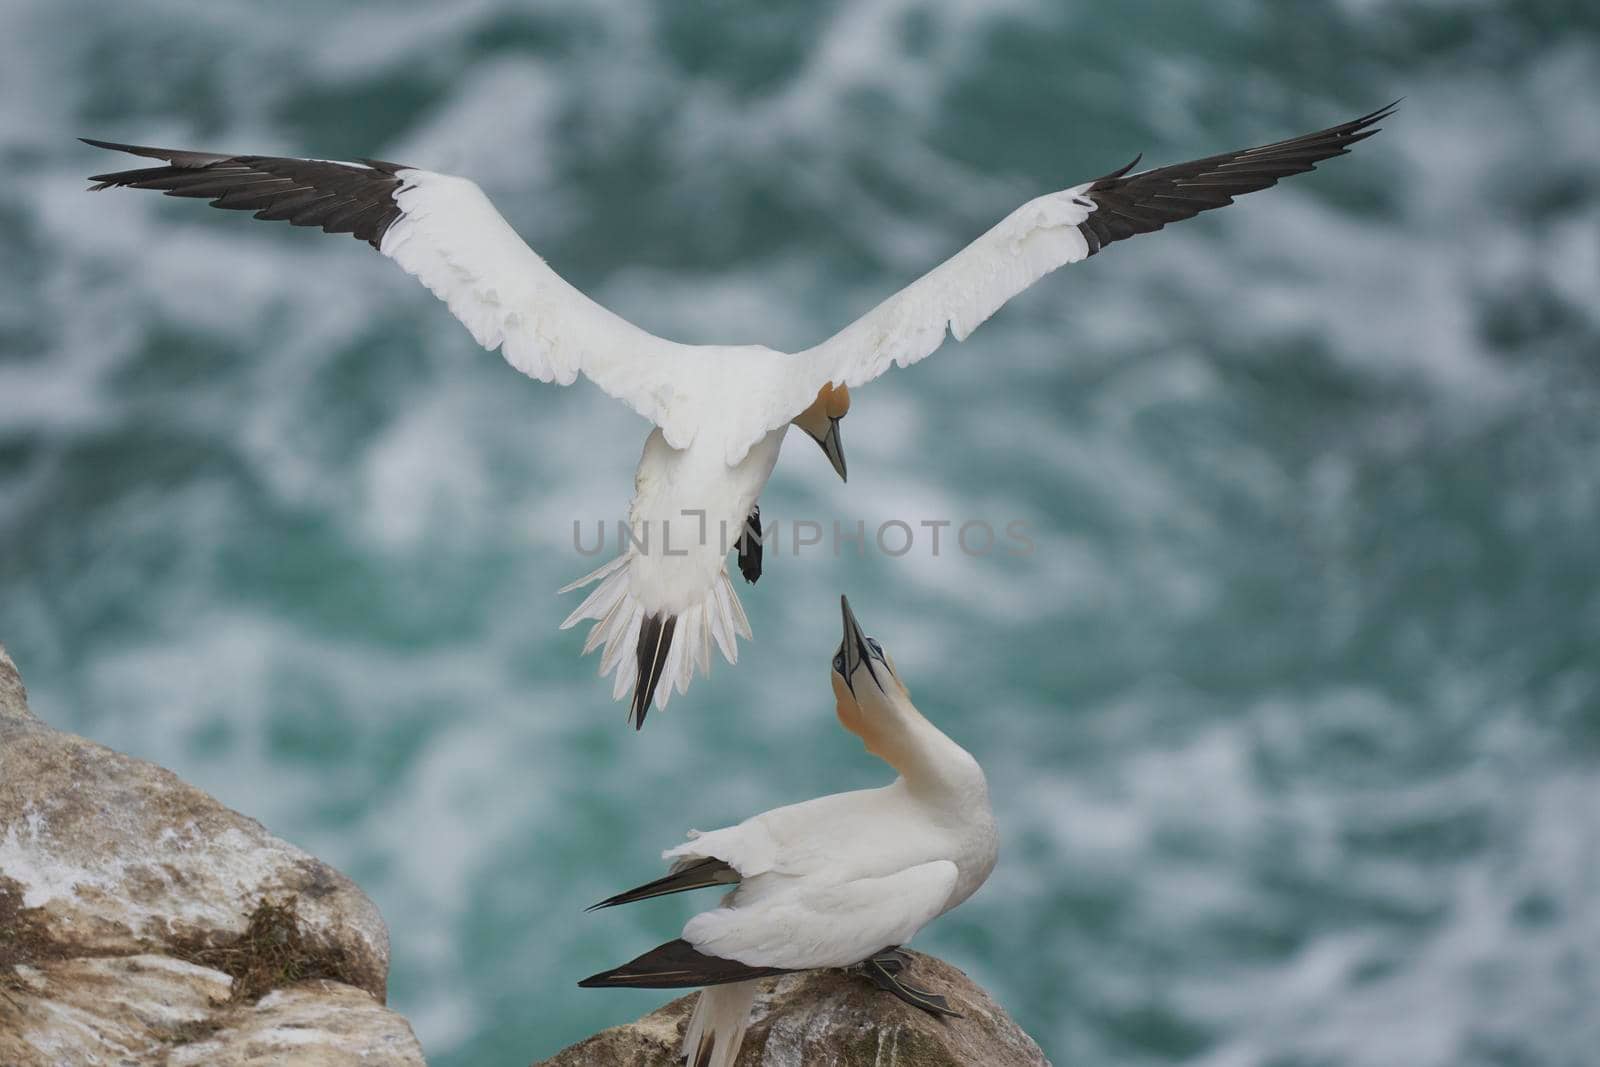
x=1293, y=715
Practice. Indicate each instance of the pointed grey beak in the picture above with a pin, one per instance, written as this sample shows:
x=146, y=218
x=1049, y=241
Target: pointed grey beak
x=833, y=448
x=855, y=647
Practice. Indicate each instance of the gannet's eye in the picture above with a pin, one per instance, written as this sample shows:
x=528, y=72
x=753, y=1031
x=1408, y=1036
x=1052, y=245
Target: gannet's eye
x=838, y=662
x=876, y=648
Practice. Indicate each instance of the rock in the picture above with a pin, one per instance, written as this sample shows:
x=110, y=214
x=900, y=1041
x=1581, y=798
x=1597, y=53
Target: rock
x=833, y=1019
x=141, y=922
x=350, y=1027
x=13, y=697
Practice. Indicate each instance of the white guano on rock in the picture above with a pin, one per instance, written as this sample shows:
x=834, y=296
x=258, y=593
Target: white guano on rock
x=143, y=922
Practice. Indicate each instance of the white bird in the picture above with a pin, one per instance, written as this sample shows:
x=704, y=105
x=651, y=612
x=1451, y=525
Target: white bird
x=720, y=412
x=839, y=881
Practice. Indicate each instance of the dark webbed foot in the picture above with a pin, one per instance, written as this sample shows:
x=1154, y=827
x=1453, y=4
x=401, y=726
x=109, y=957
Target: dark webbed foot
x=750, y=546
x=884, y=970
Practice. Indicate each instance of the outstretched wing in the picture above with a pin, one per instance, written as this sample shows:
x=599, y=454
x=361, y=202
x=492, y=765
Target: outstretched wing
x=1040, y=236
x=1129, y=204
x=444, y=230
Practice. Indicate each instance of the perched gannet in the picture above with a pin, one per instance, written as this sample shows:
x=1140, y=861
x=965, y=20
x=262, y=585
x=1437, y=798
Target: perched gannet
x=839, y=881
x=720, y=411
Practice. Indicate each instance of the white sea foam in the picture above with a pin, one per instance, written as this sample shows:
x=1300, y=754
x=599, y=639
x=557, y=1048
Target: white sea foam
x=464, y=771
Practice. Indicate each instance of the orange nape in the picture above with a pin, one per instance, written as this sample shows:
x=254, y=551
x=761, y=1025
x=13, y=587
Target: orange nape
x=832, y=402
x=835, y=400
x=847, y=709
x=875, y=733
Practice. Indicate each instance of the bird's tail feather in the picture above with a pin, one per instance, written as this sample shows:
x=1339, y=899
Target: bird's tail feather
x=717, y=1026
x=675, y=651
x=656, y=654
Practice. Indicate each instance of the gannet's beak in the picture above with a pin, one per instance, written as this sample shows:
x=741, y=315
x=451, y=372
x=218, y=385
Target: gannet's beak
x=855, y=648
x=833, y=448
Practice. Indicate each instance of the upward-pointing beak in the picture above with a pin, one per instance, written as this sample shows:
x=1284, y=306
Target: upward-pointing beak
x=833, y=448
x=855, y=646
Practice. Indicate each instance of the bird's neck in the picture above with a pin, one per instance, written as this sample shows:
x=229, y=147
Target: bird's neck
x=935, y=768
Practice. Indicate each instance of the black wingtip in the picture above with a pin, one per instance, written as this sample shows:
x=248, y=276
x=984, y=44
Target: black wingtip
x=1119, y=172
x=609, y=902
x=699, y=875
x=169, y=155
x=177, y=158
x=1126, y=205
x=1363, y=127
x=99, y=180
x=676, y=965
x=1382, y=113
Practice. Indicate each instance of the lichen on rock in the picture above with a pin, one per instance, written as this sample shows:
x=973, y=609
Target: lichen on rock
x=272, y=952
x=832, y=1019
x=141, y=920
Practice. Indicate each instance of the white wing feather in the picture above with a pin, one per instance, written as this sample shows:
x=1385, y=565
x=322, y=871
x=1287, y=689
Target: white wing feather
x=955, y=297
x=748, y=848
x=779, y=922
x=451, y=237
x=960, y=293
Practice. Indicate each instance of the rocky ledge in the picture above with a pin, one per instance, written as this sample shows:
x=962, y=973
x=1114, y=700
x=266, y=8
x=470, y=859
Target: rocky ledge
x=833, y=1019
x=141, y=922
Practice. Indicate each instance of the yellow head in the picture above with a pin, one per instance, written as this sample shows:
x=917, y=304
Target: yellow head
x=873, y=704
x=869, y=694
x=821, y=422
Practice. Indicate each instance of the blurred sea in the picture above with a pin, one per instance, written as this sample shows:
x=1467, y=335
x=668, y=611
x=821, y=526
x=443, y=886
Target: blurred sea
x=1293, y=716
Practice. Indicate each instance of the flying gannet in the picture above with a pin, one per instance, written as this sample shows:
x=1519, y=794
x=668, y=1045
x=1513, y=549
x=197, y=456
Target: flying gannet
x=839, y=881
x=720, y=412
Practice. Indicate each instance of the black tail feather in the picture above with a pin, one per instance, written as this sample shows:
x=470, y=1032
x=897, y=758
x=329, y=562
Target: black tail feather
x=655, y=641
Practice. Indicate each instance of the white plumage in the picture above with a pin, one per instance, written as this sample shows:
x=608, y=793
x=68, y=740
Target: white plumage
x=720, y=412
x=829, y=882
x=717, y=1024
x=451, y=237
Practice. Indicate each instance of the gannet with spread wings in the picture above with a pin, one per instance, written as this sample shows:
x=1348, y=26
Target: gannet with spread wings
x=720, y=412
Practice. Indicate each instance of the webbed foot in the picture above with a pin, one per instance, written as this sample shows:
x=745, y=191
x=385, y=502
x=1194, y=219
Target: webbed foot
x=750, y=546
x=884, y=970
